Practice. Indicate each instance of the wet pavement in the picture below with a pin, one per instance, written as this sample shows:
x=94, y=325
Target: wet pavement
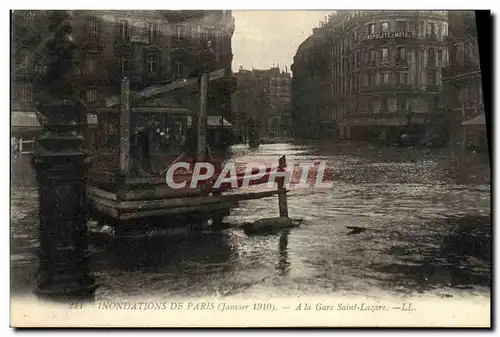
x=427, y=232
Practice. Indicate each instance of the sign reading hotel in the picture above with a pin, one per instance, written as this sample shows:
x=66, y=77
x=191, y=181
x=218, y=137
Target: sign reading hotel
x=139, y=39
x=379, y=36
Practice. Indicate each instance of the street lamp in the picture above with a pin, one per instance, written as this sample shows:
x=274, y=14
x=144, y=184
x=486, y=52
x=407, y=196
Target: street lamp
x=60, y=164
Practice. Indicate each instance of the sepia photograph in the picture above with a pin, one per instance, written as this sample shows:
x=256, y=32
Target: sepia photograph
x=250, y=168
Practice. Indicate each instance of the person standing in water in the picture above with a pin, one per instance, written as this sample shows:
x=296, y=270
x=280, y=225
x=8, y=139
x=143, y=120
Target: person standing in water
x=141, y=155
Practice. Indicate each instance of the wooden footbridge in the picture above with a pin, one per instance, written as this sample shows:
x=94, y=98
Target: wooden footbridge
x=125, y=194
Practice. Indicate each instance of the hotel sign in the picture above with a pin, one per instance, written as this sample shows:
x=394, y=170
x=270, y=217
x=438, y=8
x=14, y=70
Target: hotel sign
x=139, y=39
x=380, y=36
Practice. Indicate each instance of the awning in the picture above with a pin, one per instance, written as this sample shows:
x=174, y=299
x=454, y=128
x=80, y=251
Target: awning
x=478, y=120
x=23, y=119
x=218, y=121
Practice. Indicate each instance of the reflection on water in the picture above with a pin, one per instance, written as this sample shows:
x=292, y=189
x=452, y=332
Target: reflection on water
x=424, y=232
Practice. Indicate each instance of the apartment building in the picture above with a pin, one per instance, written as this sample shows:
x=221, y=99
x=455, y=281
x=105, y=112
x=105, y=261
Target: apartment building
x=147, y=46
x=366, y=73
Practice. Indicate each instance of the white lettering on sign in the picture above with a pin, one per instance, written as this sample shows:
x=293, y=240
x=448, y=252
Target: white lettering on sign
x=139, y=39
x=378, y=36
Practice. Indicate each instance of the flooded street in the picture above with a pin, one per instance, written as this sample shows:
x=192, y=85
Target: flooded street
x=426, y=233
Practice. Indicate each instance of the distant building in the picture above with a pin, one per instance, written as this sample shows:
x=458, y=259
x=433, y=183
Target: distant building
x=366, y=73
x=147, y=46
x=463, y=96
x=266, y=96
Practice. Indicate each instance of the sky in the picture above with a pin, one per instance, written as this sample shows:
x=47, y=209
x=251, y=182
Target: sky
x=264, y=38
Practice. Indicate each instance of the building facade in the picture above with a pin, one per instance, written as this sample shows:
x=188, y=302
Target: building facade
x=462, y=95
x=147, y=46
x=370, y=73
x=264, y=95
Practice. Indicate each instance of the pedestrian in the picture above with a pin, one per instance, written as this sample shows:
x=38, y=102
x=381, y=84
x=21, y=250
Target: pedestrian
x=14, y=146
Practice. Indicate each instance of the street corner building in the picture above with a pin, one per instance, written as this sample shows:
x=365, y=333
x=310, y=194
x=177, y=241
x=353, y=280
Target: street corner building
x=148, y=47
x=463, y=94
x=363, y=75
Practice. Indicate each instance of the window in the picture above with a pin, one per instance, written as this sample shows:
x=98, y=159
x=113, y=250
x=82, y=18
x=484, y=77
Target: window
x=421, y=29
x=473, y=51
x=384, y=104
x=432, y=29
x=385, y=27
x=151, y=63
x=402, y=104
x=431, y=78
x=371, y=55
x=440, y=58
x=23, y=58
x=431, y=60
x=179, y=68
x=371, y=28
x=401, y=26
x=401, y=54
x=25, y=92
x=179, y=32
x=152, y=31
x=123, y=63
x=371, y=79
x=29, y=19
x=403, y=77
x=92, y=27
x=91, y=62
x=124, y=29
x=462, y=96
x=385, y=78
x=459, y=52
x=91, y=95
x=385, y=54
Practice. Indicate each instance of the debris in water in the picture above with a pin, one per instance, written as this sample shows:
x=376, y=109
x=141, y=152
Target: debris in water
x=355, y=230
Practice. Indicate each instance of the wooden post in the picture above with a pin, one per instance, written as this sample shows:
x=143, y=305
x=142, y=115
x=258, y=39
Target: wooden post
x=282, y=198
x=125, y=127
x=202, y=119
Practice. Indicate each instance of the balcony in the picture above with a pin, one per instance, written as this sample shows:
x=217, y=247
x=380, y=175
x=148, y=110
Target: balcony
x=181, y=43
x=29, y=71
x=401, y=63
x=431, y=37
x=387, y=88
x=91, y=75
x=90, y=38
x=121, y=40
x=460, y=69
x=432, y=88
x=182, y=15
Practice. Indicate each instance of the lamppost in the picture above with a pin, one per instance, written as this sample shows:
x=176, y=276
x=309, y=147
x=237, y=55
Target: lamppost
x=60, y=164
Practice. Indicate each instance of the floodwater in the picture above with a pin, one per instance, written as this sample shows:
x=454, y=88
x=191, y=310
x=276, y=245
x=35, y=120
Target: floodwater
x=427, y=233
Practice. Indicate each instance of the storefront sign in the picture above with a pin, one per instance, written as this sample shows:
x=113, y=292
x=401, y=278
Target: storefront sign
x=379, y=36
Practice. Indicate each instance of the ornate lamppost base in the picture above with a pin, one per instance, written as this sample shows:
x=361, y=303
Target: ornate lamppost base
x=63, y=271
